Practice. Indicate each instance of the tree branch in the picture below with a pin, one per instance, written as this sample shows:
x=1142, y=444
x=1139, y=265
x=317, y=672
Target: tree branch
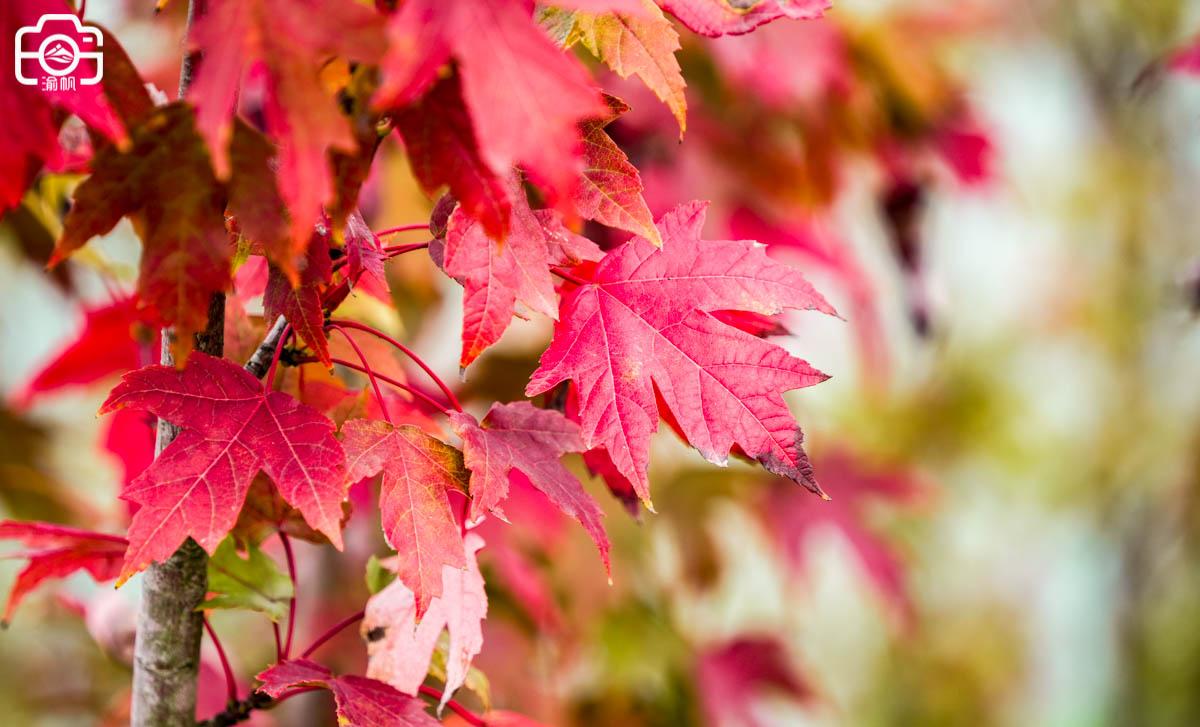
x=261, y=360
x=237, y=712
x=166, y=660
x=166, y=657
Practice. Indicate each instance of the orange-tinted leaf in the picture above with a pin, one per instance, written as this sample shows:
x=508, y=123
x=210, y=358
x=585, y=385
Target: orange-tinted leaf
x=611, y=191
x=166, y=183
x=418, y=473
x=265, y=513
x=301, y=115
x=642, y=45
x=254, y=199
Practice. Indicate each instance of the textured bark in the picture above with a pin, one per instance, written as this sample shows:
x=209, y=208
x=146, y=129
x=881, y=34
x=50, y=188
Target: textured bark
x=167, y=652
x=166, y=658
x=261, y=360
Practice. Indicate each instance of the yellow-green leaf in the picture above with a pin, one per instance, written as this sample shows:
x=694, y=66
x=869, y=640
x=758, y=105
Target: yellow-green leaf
x=642, y=45
x=377, y=576
x=476, y=681
x=253, y=583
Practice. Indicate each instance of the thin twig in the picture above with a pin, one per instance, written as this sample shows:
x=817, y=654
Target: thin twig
x=269, y=381
x=407, y=352
x=568, y=276
x=333, y=631
x=395, y=250
x=390, y=252
x=398, y=384
x=230, y=681
x=291, y=565
x=403, y=228
x=367, y=368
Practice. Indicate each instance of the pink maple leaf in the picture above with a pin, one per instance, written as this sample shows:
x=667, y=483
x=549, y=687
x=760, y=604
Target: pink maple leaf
x=642, y=325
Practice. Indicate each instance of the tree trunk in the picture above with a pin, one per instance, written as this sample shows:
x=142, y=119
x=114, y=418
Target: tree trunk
x=166, y=658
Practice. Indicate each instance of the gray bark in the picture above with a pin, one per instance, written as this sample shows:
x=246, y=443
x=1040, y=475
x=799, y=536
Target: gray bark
x=166, y=658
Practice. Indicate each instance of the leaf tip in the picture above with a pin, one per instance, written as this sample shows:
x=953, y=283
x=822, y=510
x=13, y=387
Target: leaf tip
x=56, y=257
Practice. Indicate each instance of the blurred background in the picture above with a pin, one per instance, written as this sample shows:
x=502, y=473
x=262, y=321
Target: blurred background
x=1002, y=200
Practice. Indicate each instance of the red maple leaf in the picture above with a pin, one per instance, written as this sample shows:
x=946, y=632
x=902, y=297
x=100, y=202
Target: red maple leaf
x=365, y=258
x=418, y=473
x=301, y=305
x=57, y=551
x=521, y=441
x=105, y=345
x=301, y=114
x=232, y=428
x=525, y=96
x=108, y=343
x=641, y=324
x=495, y=275
x=726, y=17
x=442, y=148
x=361, y=702
x=258, y=209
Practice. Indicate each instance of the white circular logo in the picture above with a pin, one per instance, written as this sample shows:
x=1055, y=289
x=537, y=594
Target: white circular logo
x=58, y=54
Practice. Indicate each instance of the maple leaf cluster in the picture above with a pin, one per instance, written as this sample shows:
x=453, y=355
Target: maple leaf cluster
x=248, y=187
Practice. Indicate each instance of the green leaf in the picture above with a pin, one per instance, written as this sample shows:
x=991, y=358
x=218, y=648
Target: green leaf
x=378, y=577
x=254, y=583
